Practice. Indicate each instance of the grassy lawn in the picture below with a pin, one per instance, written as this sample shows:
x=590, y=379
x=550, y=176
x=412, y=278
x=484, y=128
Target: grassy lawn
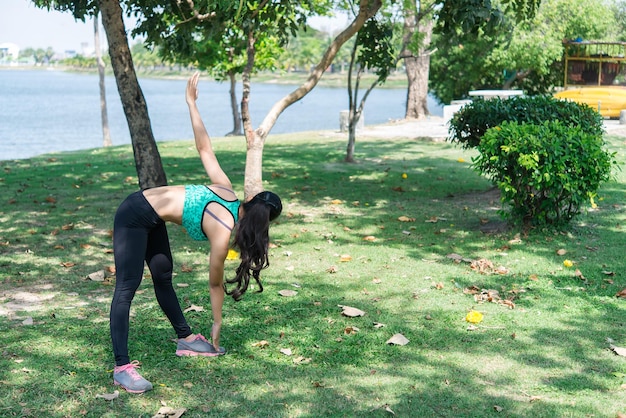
x=416, y=254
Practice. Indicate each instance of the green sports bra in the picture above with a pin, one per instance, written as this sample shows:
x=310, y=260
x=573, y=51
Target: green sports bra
x=197, y=199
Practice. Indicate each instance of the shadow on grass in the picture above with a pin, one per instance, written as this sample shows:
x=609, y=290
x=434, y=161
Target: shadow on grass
x=55, y=230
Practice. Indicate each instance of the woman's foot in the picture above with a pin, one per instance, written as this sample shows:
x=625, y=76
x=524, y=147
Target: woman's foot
x=198, y=346
x=127, y=377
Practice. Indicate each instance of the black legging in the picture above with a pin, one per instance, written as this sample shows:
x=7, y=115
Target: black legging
x=140, y=235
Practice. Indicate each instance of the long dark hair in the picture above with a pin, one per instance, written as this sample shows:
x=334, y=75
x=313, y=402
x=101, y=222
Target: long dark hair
x=253, y=240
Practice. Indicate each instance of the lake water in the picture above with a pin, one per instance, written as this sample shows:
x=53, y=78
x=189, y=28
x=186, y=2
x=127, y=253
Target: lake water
x=46, y=111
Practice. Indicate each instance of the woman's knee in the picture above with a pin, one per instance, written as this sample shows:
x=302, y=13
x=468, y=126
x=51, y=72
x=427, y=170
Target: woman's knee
x=161, y=268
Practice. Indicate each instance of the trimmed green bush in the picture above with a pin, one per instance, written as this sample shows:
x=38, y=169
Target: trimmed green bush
x=546, y=172
x=469, y=124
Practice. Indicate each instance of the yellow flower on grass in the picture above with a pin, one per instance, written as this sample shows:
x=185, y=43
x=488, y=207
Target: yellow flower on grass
x=568, y=263
x=474, y=317
x=232, y=255
x=461, y=160
x=404, y=175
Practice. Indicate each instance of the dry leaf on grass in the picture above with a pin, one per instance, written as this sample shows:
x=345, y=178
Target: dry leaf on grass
x=406, y=219
x=261, y=344
x=620, y=351
x=302, y=360
x=108, y=396
x=397, y=339
x=286, y=351
x=96, y=276
x=345, y=258
x=287, y=292
x=621, y=293
x=350, y=311
x=169, y=412
x=194, y=308
x=350, y=330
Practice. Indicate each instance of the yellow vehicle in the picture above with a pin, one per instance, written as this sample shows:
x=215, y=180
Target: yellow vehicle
x=595, y=74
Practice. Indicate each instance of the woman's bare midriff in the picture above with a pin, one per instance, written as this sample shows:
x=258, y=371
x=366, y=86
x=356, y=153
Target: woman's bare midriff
x=167, y=202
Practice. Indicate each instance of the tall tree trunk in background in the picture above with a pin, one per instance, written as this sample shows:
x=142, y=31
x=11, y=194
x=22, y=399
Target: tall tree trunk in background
x=147, y=158
x=106, y=133
x=234, y=105
x=416, y=62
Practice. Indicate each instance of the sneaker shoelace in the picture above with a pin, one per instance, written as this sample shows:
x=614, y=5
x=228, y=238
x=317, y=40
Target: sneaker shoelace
x=130, y=369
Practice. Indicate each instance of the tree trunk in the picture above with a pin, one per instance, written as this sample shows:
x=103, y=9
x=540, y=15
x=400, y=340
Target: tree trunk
x=106, y=133
x=147, y=159
x=234, y=106
x=255, y=138
x=417, y=63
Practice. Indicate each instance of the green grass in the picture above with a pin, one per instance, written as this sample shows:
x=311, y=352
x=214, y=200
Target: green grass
x=547, y=357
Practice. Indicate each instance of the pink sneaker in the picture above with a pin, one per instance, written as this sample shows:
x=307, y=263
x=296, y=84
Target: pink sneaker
x=127, y=377
x=198, y=347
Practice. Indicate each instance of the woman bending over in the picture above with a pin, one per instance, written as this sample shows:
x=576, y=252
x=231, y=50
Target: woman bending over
x=210, y=213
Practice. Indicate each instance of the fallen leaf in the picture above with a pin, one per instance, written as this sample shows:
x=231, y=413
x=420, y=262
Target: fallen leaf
x=561, y=252
x=621, y=293
x=498, y=408
x=378, y=325
x=186, y=268
x=28, y=321
x=474, y=317
x=68, y=264
x=182, y=284
x=336, y=202
x=345, y=258
x=286, y=351
x=261, y=344
x=287, y=292
x=406, y=219
x=369, y=238
x=302, y=360
x=398, y=339
x=332, y=269
x=232, y=255
x=169, y=412
x=350, y=311
x=620, y=351
x=96, y=276
x=350, y=330
x=194, y=308
x=388, y=409
x=109, y=396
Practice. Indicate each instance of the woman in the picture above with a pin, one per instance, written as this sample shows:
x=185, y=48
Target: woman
x=207, y=213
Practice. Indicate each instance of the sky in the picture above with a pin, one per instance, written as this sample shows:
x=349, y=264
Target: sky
x=27, y=26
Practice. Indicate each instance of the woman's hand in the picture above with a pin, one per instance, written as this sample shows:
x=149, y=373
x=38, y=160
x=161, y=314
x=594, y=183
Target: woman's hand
x=192, y=88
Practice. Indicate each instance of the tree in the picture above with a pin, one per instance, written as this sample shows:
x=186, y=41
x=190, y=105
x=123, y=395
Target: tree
x=527, y=57
x=450, y=19
x=147, y=159
x=106, y=133
x=372, y=50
